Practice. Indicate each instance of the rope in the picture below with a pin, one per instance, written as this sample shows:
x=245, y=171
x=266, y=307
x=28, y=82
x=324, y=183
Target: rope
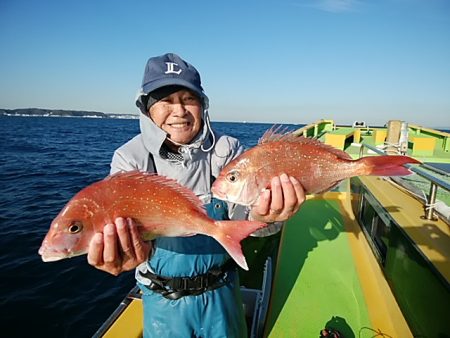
x=377, y=332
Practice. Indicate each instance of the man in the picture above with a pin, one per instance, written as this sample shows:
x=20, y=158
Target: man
x=190, y=289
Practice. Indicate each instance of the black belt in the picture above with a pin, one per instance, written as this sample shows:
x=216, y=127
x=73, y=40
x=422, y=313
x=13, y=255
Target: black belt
x=177, y=287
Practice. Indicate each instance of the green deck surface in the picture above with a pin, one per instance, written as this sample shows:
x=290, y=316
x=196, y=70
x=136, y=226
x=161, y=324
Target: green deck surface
x=341, y=131
x=316, y=282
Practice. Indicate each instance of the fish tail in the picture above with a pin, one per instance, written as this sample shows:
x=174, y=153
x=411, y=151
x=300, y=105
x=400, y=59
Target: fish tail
x=230, y=235
x=386, y=165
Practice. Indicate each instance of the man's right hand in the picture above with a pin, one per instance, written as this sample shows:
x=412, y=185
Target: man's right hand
x=119, y=248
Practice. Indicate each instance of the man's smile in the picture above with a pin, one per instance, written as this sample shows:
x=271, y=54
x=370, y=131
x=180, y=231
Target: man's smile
x=179, y=125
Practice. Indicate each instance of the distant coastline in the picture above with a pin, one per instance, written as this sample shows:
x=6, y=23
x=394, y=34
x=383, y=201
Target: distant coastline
x=38, y=112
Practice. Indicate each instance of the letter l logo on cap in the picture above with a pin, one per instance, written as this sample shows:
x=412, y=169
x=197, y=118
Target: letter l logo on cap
x=171, y=68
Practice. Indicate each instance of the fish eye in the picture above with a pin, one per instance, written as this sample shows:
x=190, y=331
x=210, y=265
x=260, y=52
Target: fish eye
x=233, y=176
x=75, y=227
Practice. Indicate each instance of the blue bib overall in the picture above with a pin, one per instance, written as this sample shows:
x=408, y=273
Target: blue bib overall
x=215, y=313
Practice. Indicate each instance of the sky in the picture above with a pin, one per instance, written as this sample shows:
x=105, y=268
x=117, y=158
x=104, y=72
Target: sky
x=278, y=61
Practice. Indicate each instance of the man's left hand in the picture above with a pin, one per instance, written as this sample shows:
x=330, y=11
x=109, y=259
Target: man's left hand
x=280, y=202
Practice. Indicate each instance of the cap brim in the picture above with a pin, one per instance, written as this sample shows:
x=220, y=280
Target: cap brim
x=151, y=86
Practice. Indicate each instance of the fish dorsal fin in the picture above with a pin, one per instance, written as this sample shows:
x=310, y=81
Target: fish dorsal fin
x=280, y=134
x=154, y=178
x=277, y=133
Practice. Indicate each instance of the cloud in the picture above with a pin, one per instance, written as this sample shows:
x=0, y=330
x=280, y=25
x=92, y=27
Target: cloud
x=334, y=6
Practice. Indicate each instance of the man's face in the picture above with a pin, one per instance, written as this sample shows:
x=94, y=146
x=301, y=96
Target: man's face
x=179, y=115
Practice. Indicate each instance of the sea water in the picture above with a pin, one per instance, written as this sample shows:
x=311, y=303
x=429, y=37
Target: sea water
x=44, y=162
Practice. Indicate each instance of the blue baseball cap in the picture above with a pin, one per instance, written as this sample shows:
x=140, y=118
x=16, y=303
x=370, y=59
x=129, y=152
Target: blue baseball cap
x=169, y=70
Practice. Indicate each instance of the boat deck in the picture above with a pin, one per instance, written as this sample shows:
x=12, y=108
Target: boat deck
x=432, y=237
x=130, y=323
x=326, y=276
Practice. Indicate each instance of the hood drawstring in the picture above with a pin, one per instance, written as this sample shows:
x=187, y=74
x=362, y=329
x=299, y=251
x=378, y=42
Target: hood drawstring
x=209, y=129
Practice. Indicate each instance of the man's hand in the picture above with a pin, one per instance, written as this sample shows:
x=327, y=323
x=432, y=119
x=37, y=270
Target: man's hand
x=278, y=204
x=119, y=248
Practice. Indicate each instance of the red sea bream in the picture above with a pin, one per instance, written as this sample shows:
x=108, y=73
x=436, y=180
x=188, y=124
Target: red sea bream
x=160, y=206
x=318, y=167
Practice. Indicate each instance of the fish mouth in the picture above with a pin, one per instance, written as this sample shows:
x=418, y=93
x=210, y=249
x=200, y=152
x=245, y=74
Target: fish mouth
x=47, y=258
x=217, y=193
x=222, y=195
x=225, y=197
x=232, y=198
x=51, y=255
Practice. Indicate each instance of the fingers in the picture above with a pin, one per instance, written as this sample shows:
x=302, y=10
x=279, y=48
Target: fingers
x=289, y=195
x=263, y=206
x=95, y=252
x=120, y=247
x=299, y=192
x=277, y=202
x=281, y=202
x=124, y=237
x=284, y=198
x=110, y=254
x=141, y=248
x=102, y=251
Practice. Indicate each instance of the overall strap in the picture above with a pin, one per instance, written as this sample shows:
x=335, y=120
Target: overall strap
x=176, y=287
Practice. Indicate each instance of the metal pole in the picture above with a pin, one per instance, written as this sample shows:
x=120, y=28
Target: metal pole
x=431, y=201
x=361, y=150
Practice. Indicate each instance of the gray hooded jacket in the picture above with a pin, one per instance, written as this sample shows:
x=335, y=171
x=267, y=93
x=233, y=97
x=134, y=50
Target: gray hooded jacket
x=197, y=166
